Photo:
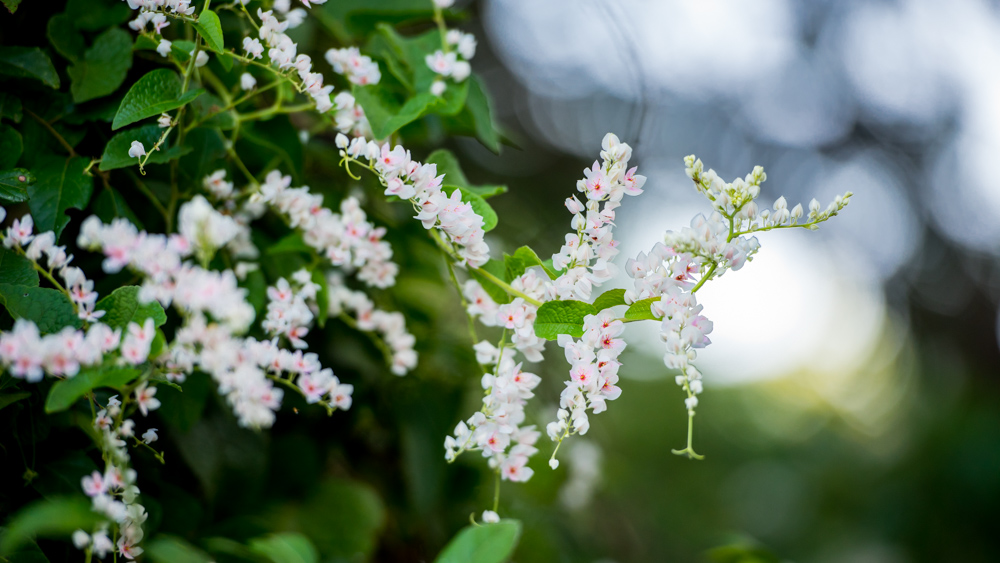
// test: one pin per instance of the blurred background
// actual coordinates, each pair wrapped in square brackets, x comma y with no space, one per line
[851,411]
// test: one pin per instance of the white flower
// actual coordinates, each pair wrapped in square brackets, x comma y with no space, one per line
[81,539]
[444,3]
[163,121]
[253,47]
[247,81]
[149,436]
[136,150]
[438,87]
[163,48]
[201,60]
[489,517]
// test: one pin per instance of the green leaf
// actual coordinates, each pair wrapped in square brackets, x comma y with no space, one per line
[210,29]
[285,548]
[208,147]
[478,106]
[448,165]
[60,185]
[170,549]
[28,62]
[158,91]
[343,519]
[499,270]
[640,311]
[7,399]
[290,243]
[11,146]
[110,205]
[385,115]
[16,269]
[275,137]
[562,317]
[56,518]
[322,297]
[116,152]
[14,184]
[522,259]
[94,15]
[10,107]
[50,309]
[65,38]
[103,67]
[67,391]
[11,5]
[478,204]
[123,307]
[490,543]
[610,298]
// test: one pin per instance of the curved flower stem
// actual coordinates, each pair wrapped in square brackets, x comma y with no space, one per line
[329,408]
[708,275]
[689,452]
[506,287]
[496,492]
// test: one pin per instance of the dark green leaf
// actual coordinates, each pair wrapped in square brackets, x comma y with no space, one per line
[158,91]
[208,147]
[448,165]
[610,298]
[640,310]
[11,146]
[169,549]
[385,115]
[7,399]
[103,67]
[94,15]
[290,243]
[64,36]
[343,518]
[66,392]
[490,543]
[50,309]
[499,270]
[11,5]
[14,184]
[276,137]
[57,517]
[285,548]
[562,317]
[210,29]
[60,185]
[116,152]
[110,205]
[10,107]
[16,269]
[478,204]
[28,62]
[478,106]
[123,307]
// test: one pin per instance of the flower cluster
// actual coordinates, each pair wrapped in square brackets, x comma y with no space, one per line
[359,69]
[346,239]
[356,308]
[496,429]
[593,375]
[28,355]
[587,254]
[420,184]
[288,314]
[452,61]
[350,117]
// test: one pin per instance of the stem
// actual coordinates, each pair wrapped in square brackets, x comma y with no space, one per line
[504,286]
[496,492]
[232,104]
[152,197]
[708,275]
[689,452]
[45,124]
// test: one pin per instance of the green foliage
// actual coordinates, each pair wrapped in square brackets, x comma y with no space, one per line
[122,307]
[50,309]
[448,165]
[490,543]
[499,270]
[66,392]
[57,517]
[7,399]
[28,62]
[16,269]
[640,310]
[110,205]
[60,184]
[210,30]
[116,152]
[290,243]
[103,67]
[385,114]
[14,184]
[10,107]
[522,259]
[158,91]
[65,38]
[562,317]
[285,548]
[11,146]
[610,298]
[171,549]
